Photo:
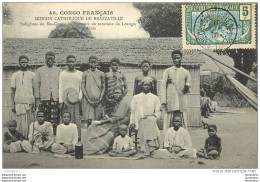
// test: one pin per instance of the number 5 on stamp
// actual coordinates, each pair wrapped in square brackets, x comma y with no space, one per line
[245,12]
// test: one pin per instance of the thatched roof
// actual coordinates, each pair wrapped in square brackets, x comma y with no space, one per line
[129,51]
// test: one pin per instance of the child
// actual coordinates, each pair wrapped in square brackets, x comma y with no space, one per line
[212,147]
[123,145]
[93,88]
[12,138]
[177,140]
[41,133]
[204,104]
[113,79]
[138,88]
[67,136]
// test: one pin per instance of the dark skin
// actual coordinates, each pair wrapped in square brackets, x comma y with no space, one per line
[66,118]
[93,67]
[118,94]
[71,62]
[12,128]
[122,132]
[66,121]
[145,69]
[40,120]
[176,58]
[114,68]
[146,90]
[23,67]
[49,60]
[176,126]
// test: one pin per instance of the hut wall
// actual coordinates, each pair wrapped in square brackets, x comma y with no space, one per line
[130,72]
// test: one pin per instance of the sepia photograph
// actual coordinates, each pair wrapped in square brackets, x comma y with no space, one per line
[130,86]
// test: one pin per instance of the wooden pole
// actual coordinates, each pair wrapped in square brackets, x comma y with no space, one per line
[234,69]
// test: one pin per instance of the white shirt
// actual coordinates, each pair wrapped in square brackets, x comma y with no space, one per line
[23,82]
[120,143]
[172,93]
[179,138]
[67,134]
[69,80]
[142,105]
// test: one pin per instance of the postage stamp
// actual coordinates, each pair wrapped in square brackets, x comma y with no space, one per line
[219,26]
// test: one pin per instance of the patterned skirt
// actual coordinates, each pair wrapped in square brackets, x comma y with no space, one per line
[51,112]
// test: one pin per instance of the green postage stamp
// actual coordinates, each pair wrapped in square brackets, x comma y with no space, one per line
[219,26]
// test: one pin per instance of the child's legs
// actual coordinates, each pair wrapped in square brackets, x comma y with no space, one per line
[131,152]
[190,153]
[48,143]
[122,154]
[58,148]
[26,145]
[112,153]
[201,153]
[6,148]
[213,153]
[15,146]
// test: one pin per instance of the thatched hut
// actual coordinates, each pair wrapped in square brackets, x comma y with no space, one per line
[130,51]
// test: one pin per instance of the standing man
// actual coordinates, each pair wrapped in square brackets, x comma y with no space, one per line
[47,90]
[176,83]
[93,89]
[22,91]
[145,66]
[70,92]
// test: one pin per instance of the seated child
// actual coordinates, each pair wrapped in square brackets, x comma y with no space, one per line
[204,104]
[177,140]
[66,137]
[123,145]
[12,138]
[41,133]
[212,147]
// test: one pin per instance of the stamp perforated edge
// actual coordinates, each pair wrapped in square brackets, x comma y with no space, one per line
[252,45]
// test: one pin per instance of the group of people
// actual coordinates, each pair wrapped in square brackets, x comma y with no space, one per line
[208,104]
[100,98]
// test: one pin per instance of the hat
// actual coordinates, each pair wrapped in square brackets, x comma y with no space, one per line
[70,96]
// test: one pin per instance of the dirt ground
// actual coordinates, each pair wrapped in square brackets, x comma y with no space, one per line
[237,129]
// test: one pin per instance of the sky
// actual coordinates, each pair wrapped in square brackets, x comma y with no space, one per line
[26,12]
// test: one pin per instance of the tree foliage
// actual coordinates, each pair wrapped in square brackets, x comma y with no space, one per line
[243,60]
[160,19]
[71,30]
[7,15]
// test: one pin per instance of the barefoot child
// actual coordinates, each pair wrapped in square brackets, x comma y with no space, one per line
[204,104]
[12,138]
[123,145]
[213,146]
[41,133]
[177,140]
[67,136]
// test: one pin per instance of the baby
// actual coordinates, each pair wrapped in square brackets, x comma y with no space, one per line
[12,138]
[123,145]
[212,147]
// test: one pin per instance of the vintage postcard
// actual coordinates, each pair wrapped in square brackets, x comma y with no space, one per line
[130,85]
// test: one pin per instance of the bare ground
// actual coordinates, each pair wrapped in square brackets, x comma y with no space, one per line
[237,129]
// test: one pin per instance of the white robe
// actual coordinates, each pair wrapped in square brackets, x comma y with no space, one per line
[180,138]
[145,111]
